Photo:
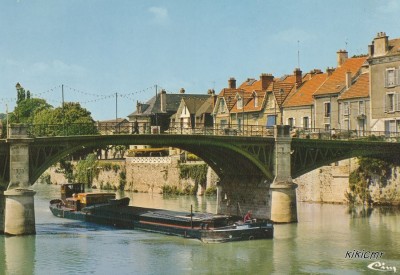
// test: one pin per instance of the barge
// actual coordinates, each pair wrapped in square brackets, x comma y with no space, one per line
[105,209]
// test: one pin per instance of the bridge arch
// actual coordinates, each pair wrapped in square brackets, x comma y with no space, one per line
[226,156]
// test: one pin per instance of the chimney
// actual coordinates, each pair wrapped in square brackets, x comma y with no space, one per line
[380,44]
[163,101]
[138,107]
[299,77]
[371,50]
[266,79]
[342,56]
[182,91]
[348,79]
[232,83]
[329,71]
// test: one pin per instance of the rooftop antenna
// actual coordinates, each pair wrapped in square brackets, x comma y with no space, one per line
[298,54]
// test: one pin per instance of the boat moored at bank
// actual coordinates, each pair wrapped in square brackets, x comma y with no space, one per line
[105,209]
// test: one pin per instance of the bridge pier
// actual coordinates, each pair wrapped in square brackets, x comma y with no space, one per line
[237,194]
[283,189]
[19,210]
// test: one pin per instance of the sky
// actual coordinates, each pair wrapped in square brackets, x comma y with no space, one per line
[108,55]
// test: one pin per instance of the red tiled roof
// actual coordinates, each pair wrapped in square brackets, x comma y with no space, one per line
[303,95]
[359,89]
[336,82]
[281,86]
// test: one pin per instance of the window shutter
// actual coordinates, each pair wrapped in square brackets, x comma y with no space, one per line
[386,103]
[386,78]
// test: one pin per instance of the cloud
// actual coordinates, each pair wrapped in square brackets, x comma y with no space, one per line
[160,15]
[392,6]
[54,68]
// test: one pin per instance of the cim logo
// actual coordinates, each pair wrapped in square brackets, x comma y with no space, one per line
[380,266]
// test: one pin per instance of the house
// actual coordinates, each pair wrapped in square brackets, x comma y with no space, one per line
[354,105]
[158,110]
[277,93]
[194,112]
[298,108]
[247,111]
[326,107]
[224,103]
[384,67]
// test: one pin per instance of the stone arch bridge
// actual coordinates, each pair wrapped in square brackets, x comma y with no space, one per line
[255,172]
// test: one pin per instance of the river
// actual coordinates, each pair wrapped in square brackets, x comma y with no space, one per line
[329,239]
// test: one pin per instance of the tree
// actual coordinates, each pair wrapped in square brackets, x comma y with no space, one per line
[26,110]
[70,120]
[27,107]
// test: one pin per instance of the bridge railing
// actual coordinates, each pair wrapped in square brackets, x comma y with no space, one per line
[108,128]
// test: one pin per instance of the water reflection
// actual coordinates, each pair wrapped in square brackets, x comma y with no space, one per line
[360,211]
[315,245]
[19,255]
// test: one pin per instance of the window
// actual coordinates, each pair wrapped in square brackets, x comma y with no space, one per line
[222,106]
[346,109]
[290,121]
[327,109]
[361,108]
[240,102]
[271,120]
[255,99]
[306,122]
[391,77]
[389,102]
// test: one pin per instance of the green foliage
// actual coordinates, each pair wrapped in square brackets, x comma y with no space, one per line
[196,172]
[86,169]
[171,190]
[26,110]
[105,165]
[122,180]
[211,191]
[115,167]
[107,186]
[45,178]
[192,157]
[70,120]
[68,169]
[121,149]
[361,178]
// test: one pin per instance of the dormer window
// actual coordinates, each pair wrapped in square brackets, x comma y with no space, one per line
[240,102]
[255,97]
[222,106]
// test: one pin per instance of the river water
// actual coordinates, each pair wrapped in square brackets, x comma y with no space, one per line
[329,239]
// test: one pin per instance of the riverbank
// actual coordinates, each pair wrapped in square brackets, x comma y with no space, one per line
[327,184]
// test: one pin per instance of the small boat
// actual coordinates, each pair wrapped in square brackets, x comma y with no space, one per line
[104,208]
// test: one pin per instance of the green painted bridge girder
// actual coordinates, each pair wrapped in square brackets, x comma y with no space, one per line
[227,155]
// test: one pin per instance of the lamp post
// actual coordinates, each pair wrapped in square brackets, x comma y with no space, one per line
[281,92]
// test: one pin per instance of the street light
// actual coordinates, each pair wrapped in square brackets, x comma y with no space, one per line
[281,92]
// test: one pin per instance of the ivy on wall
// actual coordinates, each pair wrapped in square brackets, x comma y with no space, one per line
[361,178]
